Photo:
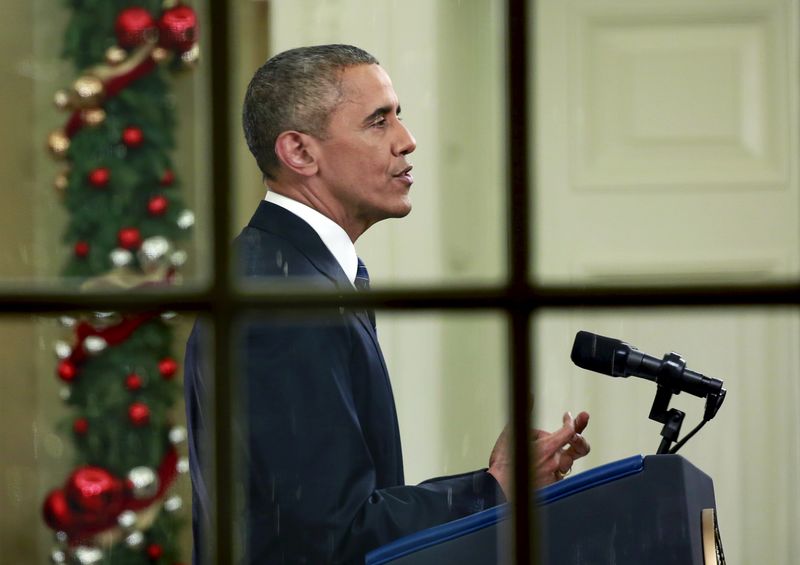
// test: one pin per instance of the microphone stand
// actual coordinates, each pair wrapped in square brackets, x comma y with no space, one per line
[668,380]
[672,419]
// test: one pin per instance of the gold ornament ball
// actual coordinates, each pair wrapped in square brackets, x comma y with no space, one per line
[62,99]
[58,144]
[61,182]
[159,54]
[115,55]
[93,116]
[90,91]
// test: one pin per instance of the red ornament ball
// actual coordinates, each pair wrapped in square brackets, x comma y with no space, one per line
[133,382]
[154,551]
[134,26]
[56,511]
[132,136]
[139,414]
[178,28]
[82,249]
[167,367]
[167,178]
[67,371]
[129,238]
[96,491]
[99,177]
[80,426]
[157,205]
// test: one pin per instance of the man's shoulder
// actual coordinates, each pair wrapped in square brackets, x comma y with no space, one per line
[267,254]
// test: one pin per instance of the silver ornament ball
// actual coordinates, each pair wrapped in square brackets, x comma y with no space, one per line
[169,316]
[121,257]
[145,482]
[154,248]
[178,259]
[102,320]
[185,219]
[183,465]
[67,321]
[191,55]
[134,540]
[173,503]
[177,435]
[58,556]
[87,555]
[63,349]
[127,519]
[94,344]
[64,393]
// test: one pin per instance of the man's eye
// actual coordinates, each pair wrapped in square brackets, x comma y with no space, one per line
[379,123]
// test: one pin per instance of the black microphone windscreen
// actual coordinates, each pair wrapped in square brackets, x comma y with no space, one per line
[595,352]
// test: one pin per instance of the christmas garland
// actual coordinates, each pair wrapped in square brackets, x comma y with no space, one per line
[125,217]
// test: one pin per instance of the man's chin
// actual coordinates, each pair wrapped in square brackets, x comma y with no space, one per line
[404,210]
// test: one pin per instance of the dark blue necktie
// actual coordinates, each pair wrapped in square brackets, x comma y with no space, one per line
[362,276]
[362,284]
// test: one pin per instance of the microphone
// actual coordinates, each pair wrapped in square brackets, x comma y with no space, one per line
[616,358]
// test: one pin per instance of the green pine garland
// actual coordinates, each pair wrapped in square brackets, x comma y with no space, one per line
[98,395]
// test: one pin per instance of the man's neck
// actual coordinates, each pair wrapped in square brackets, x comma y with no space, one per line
[314,199]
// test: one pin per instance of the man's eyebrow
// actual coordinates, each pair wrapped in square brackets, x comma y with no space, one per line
[382,111]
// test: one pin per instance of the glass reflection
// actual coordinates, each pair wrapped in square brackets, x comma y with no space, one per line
[753,351]
[94,439]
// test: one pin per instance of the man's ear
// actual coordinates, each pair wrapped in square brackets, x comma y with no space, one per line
[292,149]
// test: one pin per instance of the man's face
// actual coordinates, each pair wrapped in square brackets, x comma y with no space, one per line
[362,158]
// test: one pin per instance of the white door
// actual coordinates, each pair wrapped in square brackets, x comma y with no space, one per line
[667,153]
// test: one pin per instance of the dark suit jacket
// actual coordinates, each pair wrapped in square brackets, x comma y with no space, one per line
[319,442]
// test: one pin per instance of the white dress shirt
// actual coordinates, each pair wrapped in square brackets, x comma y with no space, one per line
[332,234]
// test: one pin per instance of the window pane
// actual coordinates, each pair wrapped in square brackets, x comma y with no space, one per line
[447,68]
[667,143]
[319,447]
[127,168]
[93,439]
[753,350]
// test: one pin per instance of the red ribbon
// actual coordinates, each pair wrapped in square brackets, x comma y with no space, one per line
[112,335]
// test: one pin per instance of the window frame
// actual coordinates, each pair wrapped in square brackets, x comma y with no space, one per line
[519,299]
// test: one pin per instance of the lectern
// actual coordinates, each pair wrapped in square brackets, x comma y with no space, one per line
[655,510]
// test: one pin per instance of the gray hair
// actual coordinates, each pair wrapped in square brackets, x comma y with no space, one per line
[295,90]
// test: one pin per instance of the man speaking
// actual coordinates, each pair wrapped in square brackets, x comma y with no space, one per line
[320,442]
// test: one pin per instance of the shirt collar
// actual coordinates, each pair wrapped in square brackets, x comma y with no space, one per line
[332,234]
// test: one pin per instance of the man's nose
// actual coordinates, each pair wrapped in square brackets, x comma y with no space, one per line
[405,143]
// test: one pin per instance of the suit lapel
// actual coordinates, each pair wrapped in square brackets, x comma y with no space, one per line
[274,219]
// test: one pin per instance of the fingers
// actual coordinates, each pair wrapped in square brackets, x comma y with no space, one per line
[558,451]
[548,444]
[581,422]
[579,446]
[553,469]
